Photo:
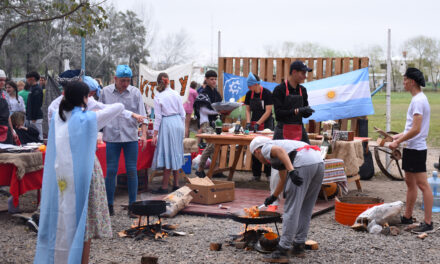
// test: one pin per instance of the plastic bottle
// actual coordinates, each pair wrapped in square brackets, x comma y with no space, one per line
[326,143]
[434,182]
[218,125]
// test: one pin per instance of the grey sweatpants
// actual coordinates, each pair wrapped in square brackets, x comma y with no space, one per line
[209,149]
[299,203]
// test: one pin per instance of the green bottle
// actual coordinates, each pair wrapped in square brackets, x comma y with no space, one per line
[218,125]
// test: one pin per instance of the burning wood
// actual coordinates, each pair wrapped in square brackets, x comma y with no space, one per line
[252,212]
[141,229]
[250,237]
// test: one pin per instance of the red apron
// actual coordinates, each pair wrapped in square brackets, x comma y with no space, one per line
[292,131]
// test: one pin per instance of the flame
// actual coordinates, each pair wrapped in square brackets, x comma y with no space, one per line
[256,228]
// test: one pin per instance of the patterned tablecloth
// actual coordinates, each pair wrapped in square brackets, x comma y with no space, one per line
[334,172]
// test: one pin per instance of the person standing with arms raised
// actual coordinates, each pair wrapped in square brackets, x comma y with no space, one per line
[415,150]
[291,104]
[122,133]
[258,102]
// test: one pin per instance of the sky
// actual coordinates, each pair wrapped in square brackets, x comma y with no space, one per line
[247,26]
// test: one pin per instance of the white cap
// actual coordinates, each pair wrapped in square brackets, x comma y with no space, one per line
[2,74]
[258,142]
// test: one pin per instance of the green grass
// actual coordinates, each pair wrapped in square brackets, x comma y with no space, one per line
[399,107]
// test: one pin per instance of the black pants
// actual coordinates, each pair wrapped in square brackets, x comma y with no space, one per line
[256,168]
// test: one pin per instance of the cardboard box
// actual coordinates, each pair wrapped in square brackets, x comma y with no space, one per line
[220,192]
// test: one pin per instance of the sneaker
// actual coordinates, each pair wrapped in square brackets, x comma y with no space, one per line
[36,218]
[200,174]
[280,255]
[272,208]
[160,191]
[424,228]
[298,250]
[406,221]
[32,225]
[110,210]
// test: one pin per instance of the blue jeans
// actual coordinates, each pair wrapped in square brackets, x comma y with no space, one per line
[113,151]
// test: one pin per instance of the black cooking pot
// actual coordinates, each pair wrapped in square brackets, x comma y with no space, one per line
[148,207]
[265,217]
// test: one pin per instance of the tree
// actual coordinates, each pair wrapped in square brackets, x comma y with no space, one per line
[425,54]
[174,50]
[85,17]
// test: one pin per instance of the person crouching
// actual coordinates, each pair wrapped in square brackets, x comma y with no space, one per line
[301,172]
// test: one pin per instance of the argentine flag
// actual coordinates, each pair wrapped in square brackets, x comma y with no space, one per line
[342,96]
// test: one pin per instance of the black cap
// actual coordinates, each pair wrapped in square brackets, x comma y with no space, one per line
[299,66]
[416,75]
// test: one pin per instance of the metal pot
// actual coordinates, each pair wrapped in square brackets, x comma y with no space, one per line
[148,207]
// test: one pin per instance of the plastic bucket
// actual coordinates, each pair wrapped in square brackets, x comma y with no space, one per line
[347,209]
[187,165]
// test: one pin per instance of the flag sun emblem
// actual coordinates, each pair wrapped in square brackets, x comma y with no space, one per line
[331,94]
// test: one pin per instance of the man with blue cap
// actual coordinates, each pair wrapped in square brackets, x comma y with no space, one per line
[258,102]
[122,133]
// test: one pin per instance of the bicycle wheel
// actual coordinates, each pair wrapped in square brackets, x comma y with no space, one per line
[393,169]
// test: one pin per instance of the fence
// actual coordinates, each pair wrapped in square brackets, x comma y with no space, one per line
[277,70]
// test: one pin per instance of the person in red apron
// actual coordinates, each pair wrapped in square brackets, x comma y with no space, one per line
[291,104]
[258,102]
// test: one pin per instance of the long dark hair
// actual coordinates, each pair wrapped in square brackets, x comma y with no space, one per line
[14,85]
[74,93]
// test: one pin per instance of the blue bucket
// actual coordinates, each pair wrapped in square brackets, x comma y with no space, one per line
[187,165]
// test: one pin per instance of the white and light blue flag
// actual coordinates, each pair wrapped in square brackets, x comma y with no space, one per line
[342,96]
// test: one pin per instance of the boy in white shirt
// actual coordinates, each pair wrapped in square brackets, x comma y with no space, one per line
[415,149]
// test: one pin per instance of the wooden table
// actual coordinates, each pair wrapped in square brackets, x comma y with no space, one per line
[227,139]
[351,152]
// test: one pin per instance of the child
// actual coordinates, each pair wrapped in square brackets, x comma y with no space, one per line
[25,134]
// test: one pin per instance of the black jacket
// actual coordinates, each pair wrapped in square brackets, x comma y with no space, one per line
[34,103]
[214,97]
[282,113]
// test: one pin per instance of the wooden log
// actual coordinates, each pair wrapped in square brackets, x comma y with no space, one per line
[240,245]
[311,245]
[215,246]
[394,231]
[149,260]
[359,227]
[422,236]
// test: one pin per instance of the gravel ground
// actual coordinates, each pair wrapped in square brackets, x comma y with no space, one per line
[337,243]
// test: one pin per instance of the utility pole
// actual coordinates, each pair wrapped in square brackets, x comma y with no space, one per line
[83,55]
[219,44]
[388,94]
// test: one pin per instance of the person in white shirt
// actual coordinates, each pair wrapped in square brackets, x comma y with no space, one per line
[414,154]
[169,131]
[301,170]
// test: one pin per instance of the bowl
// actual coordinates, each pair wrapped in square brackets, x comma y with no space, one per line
[226,127]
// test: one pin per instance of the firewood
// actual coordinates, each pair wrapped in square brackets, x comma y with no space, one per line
[411,227]
[422,236]
[215,246]
[359,227]
[149,260]
[240,245]
[312,245]
[394,231]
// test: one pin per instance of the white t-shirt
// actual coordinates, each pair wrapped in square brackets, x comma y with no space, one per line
[304,157]
[419,105]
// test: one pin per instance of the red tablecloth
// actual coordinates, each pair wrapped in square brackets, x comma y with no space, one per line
[34,180]
[145,158]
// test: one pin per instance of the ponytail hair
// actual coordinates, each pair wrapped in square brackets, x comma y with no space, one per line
[160,85]
[74,93]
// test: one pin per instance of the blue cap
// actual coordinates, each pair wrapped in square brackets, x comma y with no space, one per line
[123,71]
[93,84]
[251,80]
